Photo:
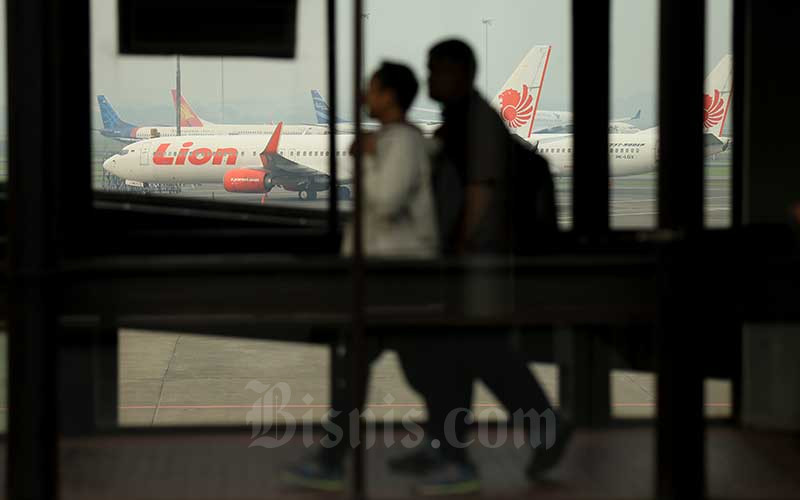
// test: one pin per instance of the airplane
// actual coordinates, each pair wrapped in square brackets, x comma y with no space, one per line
[346,127]
[300,165]
[516,101]
[116,128]
[534,62]
[616,126]
[637,153]
[301,162]
[241,164]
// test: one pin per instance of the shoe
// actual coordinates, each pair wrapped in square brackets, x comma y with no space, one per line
[545,459]
[417,462]
[315,473]
[450,478]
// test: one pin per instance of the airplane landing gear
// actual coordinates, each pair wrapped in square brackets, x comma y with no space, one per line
[307,195]
[343,193]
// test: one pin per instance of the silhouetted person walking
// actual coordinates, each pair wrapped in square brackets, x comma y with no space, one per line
[398,221]
[473,188]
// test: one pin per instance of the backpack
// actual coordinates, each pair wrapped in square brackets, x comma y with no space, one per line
[532,201]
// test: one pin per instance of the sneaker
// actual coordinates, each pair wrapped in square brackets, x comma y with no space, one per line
[417,462]
[545,459]
[450,478]
[315,473]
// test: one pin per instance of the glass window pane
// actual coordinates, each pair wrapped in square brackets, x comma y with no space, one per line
[228,106]
[632,135]
[718,113]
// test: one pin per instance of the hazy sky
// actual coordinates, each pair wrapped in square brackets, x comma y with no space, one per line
[272,90]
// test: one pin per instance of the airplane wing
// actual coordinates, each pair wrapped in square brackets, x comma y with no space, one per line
[272,160]
[285,165]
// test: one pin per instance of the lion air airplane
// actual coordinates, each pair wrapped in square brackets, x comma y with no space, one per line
[516,101]
[191,124]
[300,162]
[632,154]
[241,164]
[532,68]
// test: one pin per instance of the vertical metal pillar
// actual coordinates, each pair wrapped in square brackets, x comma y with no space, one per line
[49,207]
[680,455]
[740,14]
[358,345]
[681,70]
[590,89]
[333,107]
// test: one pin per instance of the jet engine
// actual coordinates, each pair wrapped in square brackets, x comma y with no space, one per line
[243,180]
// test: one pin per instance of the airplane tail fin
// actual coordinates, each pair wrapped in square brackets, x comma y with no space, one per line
[188,117]
[111,120]
[717,99]
[518,99]
[321,108]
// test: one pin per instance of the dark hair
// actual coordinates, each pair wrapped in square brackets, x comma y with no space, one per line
[400,79]
[457,52]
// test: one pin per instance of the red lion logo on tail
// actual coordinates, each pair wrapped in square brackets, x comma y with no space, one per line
[516,110]
[713,109]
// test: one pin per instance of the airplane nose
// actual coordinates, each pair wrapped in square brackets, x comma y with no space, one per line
[110,163]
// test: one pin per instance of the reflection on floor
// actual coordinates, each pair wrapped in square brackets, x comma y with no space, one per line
[599,464]
[172,379]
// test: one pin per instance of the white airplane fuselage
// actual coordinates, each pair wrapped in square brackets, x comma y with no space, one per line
[205,159]
[628,154]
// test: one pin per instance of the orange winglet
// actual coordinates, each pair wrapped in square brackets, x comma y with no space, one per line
[272,145]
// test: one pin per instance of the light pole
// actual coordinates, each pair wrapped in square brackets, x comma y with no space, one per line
[222,87]
[178,97]
[365,17]
[486,23]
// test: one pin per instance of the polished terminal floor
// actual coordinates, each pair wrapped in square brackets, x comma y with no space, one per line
[599,464]
[169,379]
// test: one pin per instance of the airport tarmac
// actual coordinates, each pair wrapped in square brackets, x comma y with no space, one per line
[178,379]
[634,203]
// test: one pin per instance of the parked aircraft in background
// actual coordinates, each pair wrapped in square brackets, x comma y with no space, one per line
[116,128]
[516,101]
[631,154]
